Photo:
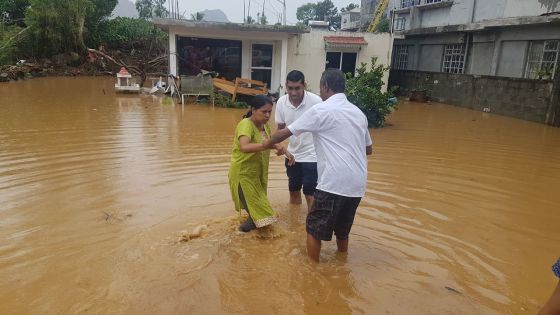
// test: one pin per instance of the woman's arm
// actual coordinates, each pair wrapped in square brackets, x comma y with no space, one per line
[246,146]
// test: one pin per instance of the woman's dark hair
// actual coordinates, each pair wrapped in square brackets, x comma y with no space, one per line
[256,103]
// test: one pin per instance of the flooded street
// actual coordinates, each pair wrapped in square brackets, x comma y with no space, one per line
[460,215]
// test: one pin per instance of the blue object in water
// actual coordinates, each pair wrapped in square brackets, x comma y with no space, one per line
[393,100]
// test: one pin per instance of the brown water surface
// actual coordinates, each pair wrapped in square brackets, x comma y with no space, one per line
[460,216]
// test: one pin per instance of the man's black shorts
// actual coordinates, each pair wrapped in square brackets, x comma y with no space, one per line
[331,213]
[302,174]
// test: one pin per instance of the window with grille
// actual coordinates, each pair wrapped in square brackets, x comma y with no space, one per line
[400,59]
[433,1]
[454,58]
[542,59]
[400,24]
[407,3]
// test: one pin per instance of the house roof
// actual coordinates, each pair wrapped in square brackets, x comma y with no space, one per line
[345,40]
[291,29]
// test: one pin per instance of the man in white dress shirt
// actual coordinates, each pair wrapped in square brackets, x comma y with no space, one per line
[342,142]
[301,168]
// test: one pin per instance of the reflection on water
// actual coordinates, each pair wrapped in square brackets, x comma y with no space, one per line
[460,214]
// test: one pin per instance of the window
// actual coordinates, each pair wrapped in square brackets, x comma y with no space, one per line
[433,1]
[342,61]
[400,57]
[542,59]
[400,24]
[219,55]
[407,3]
[261,63]
[454,58]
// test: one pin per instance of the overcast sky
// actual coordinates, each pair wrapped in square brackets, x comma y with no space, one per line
[234,8]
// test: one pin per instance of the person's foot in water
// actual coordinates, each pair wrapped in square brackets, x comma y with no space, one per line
[247,226]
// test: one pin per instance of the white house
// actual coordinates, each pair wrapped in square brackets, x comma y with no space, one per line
[267,52]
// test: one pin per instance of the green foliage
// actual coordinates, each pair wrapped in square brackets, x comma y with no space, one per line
[349,7]
[249,20]
[100,12]
[384,26]
[148,9]
[198,16]
[320,11]
[57,26]
[159,9]
[10,51]
[364,90]
[13,11]
[225,101]
[306,13]
[125,30]
[263,20]
[145,9]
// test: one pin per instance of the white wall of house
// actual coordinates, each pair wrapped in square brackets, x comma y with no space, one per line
[307,53]
[247,39]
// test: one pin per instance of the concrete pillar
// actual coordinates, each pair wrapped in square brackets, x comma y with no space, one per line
[246,55]
[496,57]
[173,53]
[283,66]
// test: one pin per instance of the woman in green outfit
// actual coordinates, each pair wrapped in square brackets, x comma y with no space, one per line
[248,173]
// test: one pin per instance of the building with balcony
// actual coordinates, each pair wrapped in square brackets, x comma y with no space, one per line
[351,20]
[509,38]
[496,55]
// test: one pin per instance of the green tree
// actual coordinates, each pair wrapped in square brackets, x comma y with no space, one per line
[263,20]
[145,9]
[320,11]
[306,13]
[198,16]
[326,11]
[57,25]
[364,90]
[13,11]
[384,25]
[349,7]
[159,9]
[101,10]
[250,20]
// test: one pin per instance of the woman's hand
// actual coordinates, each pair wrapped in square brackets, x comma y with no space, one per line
[279,150]
[291,158]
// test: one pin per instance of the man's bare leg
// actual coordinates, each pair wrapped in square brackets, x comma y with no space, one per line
[313,247]
[309,200]
[295,197]
[342,245]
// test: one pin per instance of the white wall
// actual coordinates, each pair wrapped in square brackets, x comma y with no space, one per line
[247,39]
[307,53]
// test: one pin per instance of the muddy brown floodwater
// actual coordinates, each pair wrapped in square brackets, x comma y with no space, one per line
[461,213]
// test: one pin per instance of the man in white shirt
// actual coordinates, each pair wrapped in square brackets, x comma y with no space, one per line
[342,142]
[302,168]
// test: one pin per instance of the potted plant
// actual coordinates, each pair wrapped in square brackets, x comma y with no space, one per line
[545,72]
[419,94]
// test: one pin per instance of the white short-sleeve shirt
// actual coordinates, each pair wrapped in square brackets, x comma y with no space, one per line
[300,146]
[340,135]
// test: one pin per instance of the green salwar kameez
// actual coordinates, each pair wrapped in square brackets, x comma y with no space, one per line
[249,172]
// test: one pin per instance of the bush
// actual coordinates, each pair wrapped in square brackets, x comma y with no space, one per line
[225,101]
[364,90]
[9,40]
[123,30]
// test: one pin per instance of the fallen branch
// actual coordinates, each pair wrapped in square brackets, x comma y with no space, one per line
[13,37]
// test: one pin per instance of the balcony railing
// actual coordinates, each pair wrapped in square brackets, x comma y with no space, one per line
[404,4]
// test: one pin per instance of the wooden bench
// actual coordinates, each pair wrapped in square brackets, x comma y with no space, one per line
[241,86]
